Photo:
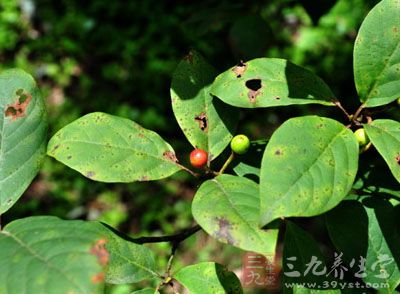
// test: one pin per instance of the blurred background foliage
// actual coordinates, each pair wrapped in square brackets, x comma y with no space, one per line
[118,57]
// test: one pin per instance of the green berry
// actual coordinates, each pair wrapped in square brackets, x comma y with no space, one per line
[240,144]
[362,137]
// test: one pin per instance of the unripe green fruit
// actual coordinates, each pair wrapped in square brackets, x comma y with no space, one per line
[198,158]
[398,101]
[240,144]
[362,137]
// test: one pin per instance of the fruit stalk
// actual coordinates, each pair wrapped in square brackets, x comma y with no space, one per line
[226,164]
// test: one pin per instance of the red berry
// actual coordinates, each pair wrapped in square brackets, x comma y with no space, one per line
[198,158]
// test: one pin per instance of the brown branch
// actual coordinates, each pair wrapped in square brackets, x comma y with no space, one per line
[196,175]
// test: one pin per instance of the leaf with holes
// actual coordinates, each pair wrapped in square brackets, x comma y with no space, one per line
[60,256]
[385,136]
[308,167]
[108,148]
[372,224]
[205,121]
[23,132]
[377,55]
[266,82]
[228,208]
[208,277]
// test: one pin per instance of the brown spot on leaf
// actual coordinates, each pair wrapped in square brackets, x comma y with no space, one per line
[278,98]
[202,121]
[254,87]
[55,148]
[98,278]
[90,174]
[69,157]
[18,109]
[240,69]
[170,156]
[144,178]
[100,251]
[398,159]
[224,228]
[278,152]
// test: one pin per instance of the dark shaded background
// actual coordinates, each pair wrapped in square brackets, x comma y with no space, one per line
[118,57]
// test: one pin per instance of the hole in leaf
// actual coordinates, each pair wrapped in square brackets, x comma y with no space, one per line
[202,120]
[10,111]
[240,69]
[254,84]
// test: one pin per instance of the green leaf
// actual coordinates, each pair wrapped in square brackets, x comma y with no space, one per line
[60,256]
[299,250]
[205,121]
[377,55]
[23,132]
[129,262]
[266,82]
[348,222]
[385,136]
[48,255]
[109,148]
[308,167]
[227,208]
[374,227]
[208,278]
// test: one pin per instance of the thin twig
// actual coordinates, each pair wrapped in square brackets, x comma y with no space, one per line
[196,175]
[169,264]
[339,105]
[176,238]
[357,113]
[171,258]
[167,278]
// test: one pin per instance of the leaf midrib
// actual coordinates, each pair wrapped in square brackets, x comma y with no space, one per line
[135,151]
